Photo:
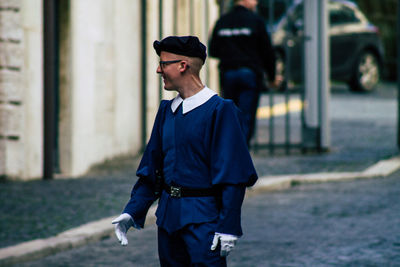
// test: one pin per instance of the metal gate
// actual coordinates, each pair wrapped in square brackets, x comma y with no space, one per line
[281,124]
[280,116]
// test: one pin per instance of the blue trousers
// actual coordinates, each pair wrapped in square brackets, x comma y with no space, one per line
[190,246]
[243,87]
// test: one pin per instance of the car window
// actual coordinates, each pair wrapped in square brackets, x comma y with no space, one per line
[341,14]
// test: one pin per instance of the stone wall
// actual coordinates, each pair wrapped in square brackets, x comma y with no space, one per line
[11,80]
[21,86]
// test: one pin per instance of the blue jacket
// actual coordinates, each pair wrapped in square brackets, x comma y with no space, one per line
[202,148]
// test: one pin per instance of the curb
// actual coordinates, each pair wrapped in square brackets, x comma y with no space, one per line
[267,183]
[101,229]
[73,238]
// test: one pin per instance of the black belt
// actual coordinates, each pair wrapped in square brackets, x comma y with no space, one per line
[177,191]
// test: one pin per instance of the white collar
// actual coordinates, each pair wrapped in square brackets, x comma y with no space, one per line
[194,101]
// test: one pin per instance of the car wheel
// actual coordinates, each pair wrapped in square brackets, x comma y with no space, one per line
[366,74]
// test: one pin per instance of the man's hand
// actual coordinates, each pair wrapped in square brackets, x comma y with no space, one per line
[276,83]
[228,242]
[122,223]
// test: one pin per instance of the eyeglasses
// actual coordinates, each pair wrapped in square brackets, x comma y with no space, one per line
[163,64]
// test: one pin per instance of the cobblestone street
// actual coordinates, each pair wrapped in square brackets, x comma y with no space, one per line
[334,224]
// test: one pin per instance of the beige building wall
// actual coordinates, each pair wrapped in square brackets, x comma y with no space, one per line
[152,84]
[104,117]
[100,78]
[21,84]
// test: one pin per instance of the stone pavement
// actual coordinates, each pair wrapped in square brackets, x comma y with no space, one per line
[31,226]
[101,229]
[351,223]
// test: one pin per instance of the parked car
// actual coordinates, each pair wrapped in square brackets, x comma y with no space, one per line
[356,50]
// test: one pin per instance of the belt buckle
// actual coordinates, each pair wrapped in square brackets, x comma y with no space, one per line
[175,191]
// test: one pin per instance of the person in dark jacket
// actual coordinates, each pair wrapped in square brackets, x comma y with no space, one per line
[196,163]
[241,43]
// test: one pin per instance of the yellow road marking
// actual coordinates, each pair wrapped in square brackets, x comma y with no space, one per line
[294,105]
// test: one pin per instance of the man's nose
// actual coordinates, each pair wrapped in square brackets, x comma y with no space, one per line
[159,70]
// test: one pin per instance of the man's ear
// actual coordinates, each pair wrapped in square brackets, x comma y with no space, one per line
[183,66]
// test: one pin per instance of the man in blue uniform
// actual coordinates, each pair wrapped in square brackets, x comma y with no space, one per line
[241,43]
[196,162]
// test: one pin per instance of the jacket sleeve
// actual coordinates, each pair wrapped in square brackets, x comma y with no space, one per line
[152,156]
[143,193]
[230,160]
[213,45]
[142,197]
[232,168]
[229,221]
[267,51]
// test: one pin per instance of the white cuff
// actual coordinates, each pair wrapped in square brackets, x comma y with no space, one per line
[227,236]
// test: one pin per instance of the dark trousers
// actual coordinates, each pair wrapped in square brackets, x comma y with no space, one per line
[243,87]
[190,246]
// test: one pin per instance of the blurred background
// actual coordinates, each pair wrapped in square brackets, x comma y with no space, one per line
[78,84]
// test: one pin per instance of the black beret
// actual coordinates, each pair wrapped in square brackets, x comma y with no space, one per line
[182,45]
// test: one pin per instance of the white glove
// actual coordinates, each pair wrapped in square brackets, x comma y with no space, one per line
[228,242]
[122,223]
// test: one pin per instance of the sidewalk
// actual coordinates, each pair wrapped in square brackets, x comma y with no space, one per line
[82,209]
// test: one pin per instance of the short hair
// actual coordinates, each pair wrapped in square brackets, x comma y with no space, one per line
[195,64]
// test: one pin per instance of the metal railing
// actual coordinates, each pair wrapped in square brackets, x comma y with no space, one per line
[281,130]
